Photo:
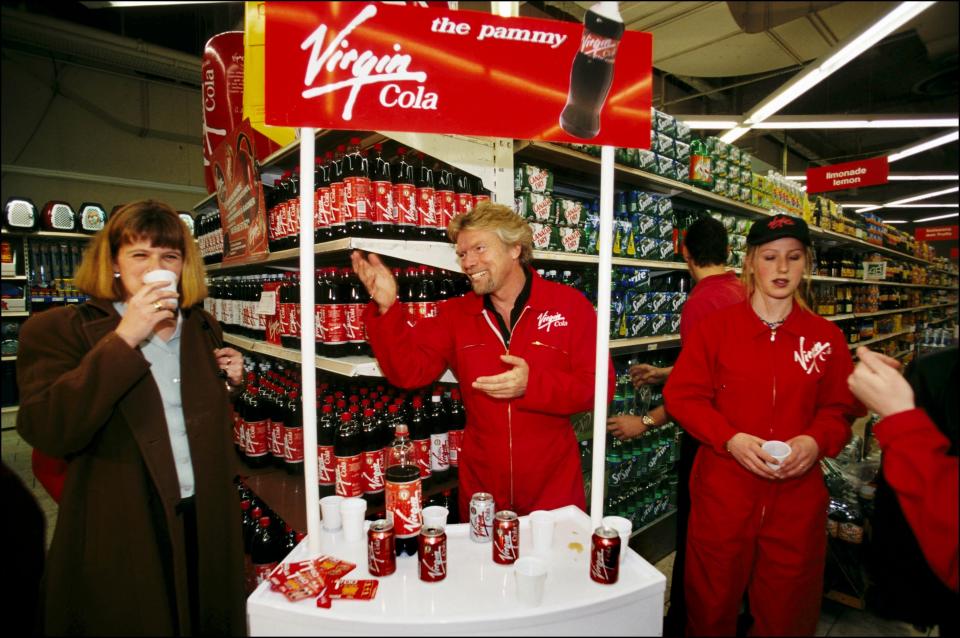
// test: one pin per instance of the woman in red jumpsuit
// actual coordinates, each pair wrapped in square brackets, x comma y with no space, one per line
[765,369]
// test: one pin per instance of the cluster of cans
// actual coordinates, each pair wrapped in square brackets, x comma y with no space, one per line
[643,226]
[737,230]
[641,484]
[637,310]
[558,223]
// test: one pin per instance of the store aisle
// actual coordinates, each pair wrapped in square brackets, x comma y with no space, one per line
[16,455]
[835,619]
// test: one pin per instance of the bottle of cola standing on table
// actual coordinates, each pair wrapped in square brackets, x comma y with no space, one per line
[404,196]
[381,195]
[592,72]
[404,492]
[356,191]
[326,437]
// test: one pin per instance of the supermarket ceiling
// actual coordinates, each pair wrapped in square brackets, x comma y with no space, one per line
[710,59]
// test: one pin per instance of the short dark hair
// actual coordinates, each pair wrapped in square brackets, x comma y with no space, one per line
[706,241]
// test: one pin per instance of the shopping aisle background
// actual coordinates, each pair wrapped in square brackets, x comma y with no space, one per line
[836,619]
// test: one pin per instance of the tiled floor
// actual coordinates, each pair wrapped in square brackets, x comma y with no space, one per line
[835,620]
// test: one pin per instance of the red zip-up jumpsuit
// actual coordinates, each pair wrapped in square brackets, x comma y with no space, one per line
[734,375]
[522,450]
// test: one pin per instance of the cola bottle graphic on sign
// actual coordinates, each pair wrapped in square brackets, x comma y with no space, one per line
[592,72]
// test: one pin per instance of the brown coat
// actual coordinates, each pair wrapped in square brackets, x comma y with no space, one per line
[117,563]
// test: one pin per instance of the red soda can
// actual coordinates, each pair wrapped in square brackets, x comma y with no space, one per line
[433,554]
[381,547]
[481,517]
[605,556]
[506,537]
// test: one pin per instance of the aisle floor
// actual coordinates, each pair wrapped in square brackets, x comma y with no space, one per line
[835,620]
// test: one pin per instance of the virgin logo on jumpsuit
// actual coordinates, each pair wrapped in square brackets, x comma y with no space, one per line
[808,359]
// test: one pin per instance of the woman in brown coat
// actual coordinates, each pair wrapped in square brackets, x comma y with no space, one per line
[129,390]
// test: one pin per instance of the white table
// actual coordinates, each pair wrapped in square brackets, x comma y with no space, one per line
[478,596]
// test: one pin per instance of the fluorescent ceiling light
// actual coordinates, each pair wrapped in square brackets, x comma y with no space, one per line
[856,124]
[926,145]
[869,208]
[709,124]
[933,219]
[894,221]
[856,205]
[923,206]
[124,5]
[823,68]
[916,198]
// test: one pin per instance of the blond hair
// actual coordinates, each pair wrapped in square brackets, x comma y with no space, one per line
[802,295]
[146,220]
[512,229]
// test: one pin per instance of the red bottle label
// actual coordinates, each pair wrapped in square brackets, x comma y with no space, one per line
[404,506]
[322,203]
[293,445]
[446,205]
[336,203]
[480,198]
[423,457]
[384,212]
[426,309]
[455,441]
[352,324]
[439,452]
[284,313]
[326,465]
[237,430]
[464,203]
[333,317]
[263,571]
[276,438]
[371,472]
[357,196]
[318,330]
[405,199]
[348,476]
[598,47]
[426,210]
[256,434]
[294,320]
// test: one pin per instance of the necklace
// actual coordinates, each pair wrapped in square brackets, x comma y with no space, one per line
[773,325]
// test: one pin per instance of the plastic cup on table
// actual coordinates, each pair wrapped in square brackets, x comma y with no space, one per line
[167,276]
[531,574]
[352,511]
[778,450]
[435,516]
[330,512]
[542,524]
[624,528]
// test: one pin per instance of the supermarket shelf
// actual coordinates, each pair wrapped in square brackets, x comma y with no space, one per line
[903,353]
[662,517]
[641,344]
[10,409]
[48,234]
[941,320]
[861,315]
[430,253]
[854,346]
[14,278]
[549,255]
[9,357]
[355,366]
[850,280]
[15,313]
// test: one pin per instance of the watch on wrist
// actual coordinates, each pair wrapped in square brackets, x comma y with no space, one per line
[648,420]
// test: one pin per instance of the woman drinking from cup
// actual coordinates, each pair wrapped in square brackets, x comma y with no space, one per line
[129,389]
[766,369]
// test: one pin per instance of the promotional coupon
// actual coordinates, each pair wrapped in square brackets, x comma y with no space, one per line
[374,66]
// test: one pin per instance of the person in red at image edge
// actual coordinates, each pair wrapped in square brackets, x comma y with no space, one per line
[916,462]
[765,369]
[522,349]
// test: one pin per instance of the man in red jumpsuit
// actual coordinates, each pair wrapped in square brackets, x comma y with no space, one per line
[522,349]
[764,369]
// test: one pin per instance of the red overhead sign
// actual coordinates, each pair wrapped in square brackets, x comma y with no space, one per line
[838,177]
[936,233]
[374,66]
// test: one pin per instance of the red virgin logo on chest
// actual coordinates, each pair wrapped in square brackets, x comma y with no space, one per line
[547,320]
[809,360]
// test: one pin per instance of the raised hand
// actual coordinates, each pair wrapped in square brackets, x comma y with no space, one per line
[145,310]
[376,278]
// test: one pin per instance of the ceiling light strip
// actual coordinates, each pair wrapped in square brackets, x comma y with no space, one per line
[925,145]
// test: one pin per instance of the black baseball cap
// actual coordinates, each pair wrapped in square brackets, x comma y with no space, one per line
[778,227]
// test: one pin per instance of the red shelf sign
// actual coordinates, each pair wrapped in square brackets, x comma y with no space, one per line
[838,177]
[374,66]
[936,233]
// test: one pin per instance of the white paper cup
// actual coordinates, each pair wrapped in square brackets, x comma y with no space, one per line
[167,276]
[531,574]
[542,523]
[435,516]
[351,512]
[624,528]
[778,450]
[330,511]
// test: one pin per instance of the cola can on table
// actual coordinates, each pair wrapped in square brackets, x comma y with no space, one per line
[433,554]
[506,537]
[481,517]
[605,556]
[381,545]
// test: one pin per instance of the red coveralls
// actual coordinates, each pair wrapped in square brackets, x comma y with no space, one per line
[523,450]
[925,478]
[736,375]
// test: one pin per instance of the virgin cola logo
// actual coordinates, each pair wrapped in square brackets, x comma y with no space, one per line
[364,68]
[779,222]
[597,47]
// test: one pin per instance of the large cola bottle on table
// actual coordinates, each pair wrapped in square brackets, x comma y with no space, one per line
[404,492]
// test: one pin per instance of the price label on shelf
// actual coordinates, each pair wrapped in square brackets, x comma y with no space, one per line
[268,303]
